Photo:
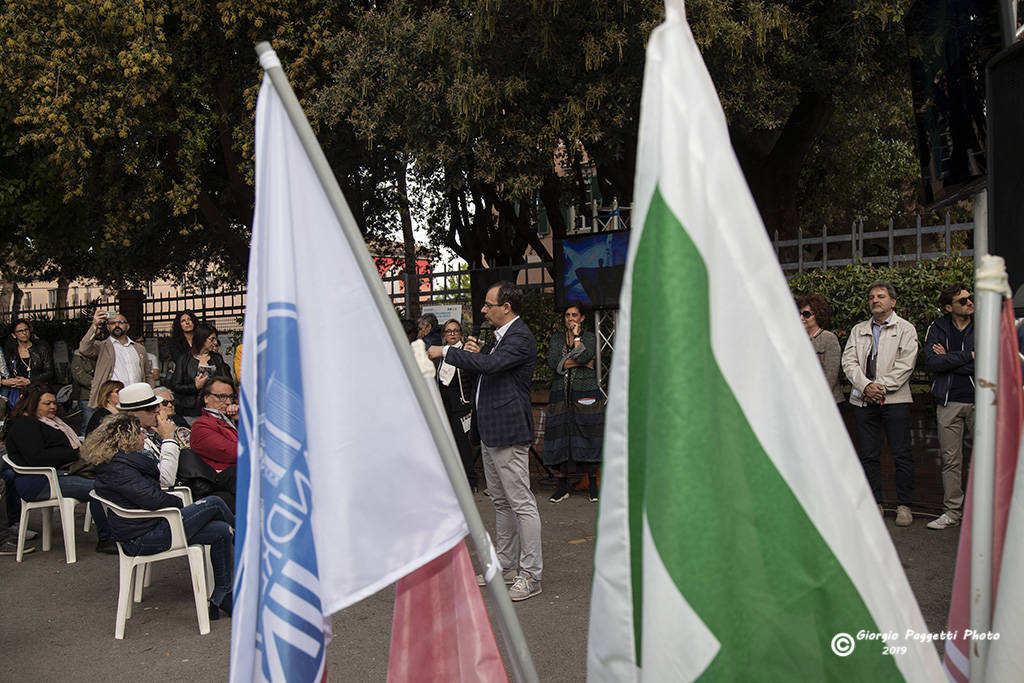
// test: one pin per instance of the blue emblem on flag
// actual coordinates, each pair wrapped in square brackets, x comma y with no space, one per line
[290,624]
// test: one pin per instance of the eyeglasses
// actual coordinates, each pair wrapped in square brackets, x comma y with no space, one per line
[226,397]
[806,314]
[488,304]
[964,300]
[453,331]
[116,323]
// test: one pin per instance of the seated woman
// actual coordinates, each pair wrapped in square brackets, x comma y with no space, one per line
[36,437]
[127,475]
[194,369]
[106,404]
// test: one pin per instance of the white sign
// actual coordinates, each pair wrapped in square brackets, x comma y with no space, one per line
[444,312]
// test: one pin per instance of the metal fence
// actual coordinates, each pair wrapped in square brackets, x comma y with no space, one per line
[889,246]
[224,310]
[453,286]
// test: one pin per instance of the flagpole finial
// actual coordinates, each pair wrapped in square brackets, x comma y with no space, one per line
[675,8]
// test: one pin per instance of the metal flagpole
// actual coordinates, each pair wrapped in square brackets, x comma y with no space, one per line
[518,653]
[989,286]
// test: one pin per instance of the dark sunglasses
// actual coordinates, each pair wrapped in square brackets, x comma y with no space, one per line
[806,314]
[226,397]
[964,299]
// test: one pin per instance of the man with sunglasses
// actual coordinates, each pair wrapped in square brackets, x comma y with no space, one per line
[878,360]
[117,356]
[949,356]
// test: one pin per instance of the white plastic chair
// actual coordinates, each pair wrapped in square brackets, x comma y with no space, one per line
[185,493]
[130,566]
[66,506]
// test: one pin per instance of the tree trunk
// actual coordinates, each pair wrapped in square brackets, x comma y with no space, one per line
[772,163]
[412,289]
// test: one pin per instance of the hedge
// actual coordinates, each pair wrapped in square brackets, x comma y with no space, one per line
[917,291]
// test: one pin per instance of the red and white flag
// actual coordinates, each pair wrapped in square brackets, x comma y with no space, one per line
[440,630]
[1009,418]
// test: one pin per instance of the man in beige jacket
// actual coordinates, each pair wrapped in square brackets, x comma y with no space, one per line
[117,356]
[878,360]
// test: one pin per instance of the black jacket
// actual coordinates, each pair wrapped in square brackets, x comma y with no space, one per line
[34,444]
[183,382]
[452,396]
[132,480]
[955,364]
[40,362]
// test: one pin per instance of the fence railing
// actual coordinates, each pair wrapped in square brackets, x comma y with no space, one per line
[453,286]
[221,309]
[886,246]
[224,310]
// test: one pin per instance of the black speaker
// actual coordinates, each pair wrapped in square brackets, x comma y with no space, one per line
[949,43]
[1005,94]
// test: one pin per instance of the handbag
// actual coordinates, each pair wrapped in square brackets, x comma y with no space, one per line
[196,474]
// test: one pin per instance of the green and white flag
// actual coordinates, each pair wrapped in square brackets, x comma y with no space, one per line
[737,536]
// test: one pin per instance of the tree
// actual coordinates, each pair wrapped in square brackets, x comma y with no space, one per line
[501,103]
[130,125]
[126,127]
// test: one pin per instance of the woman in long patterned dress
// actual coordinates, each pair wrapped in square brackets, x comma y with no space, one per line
[575,422]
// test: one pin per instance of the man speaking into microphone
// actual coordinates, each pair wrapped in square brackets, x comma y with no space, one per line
[505,423]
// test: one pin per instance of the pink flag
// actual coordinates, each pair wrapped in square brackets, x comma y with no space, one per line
[440,630]
[1009,417]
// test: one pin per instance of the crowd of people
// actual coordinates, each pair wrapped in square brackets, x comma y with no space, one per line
[878,361]
[137,439]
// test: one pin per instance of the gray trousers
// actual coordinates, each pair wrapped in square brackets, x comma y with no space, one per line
[953,419]
[507,470]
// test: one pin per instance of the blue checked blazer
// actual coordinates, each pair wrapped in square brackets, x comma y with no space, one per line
[503,413]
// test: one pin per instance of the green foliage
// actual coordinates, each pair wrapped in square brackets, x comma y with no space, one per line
[540,315]
[917,291]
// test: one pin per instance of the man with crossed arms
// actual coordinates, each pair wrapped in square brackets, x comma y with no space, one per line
[505,422]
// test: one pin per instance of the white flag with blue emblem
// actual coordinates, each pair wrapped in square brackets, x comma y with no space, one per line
[341,490]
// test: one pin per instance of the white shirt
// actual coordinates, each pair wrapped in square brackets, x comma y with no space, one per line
[127,365]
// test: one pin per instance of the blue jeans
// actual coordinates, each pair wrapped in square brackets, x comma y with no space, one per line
[83,405]
[74,486]
[208,521]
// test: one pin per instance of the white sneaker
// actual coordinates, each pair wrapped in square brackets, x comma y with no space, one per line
[523,588]
[942,521]
[509,575]
[903,516]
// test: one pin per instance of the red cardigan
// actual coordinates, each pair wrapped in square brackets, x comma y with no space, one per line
[215,441]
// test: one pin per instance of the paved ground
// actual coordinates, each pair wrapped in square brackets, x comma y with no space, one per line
[58,620]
